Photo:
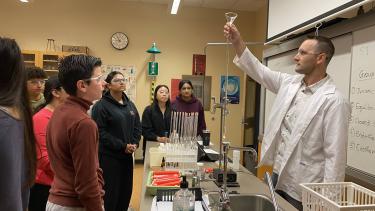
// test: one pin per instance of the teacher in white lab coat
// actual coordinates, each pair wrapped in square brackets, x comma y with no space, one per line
[306,138]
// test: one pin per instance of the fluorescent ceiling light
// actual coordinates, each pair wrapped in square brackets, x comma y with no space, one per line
[25,1]
[175,5]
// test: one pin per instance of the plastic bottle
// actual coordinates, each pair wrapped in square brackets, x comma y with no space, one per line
[236,160]
[200,171]
[184,200]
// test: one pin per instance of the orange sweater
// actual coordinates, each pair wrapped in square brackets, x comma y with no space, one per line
[72,144]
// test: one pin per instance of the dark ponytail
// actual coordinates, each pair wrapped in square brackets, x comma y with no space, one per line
[52,84]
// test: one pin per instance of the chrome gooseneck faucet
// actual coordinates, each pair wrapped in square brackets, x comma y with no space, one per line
[224,196]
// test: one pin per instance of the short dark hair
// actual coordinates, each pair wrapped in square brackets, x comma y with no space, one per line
[182,82]
[35,72]
[324,45]
[74,68]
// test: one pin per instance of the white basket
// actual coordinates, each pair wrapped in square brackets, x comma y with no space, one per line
[336,197]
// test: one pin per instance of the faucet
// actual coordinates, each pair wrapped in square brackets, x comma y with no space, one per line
[224,196]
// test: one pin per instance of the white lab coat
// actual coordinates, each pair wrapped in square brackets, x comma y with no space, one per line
[316,151]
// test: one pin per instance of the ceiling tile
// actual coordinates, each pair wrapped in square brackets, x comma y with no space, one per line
[245,5]
[219,4]
[249,5]
[156,1]
[192,3]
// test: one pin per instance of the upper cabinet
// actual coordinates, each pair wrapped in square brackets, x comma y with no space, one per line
[31,58]
[50,61]
[47,60]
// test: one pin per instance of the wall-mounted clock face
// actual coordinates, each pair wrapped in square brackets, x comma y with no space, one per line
[119,40]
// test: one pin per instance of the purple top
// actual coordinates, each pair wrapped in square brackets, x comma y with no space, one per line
[194,105]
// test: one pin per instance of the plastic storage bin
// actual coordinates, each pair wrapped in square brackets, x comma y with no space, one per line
[156,156]
[336,197]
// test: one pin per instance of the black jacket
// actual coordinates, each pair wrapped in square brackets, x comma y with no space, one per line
[118,125]
[154,123]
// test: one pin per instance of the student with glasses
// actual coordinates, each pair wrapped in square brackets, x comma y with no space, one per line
[17,141]
[72,139]
[119,134]
[307,134]
[36,78]
[54,95]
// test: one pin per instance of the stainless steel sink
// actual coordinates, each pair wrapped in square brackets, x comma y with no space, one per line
[244,202]
[251,202]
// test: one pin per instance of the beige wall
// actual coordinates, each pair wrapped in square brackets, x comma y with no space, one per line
[261,30]
[92,22]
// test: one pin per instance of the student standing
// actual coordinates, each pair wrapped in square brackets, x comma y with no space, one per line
[54,95]
[120,131]
[36,79]
[72,139]
[187,102]
[17,141]
[156,117]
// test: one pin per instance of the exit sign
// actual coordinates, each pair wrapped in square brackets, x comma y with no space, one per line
[153,69]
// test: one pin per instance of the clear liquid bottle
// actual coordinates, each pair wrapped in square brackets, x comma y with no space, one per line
[184,199]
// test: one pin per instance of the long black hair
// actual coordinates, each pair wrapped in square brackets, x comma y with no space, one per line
[13,93]
[52,84]
[109,78]
[155,101]
[184,81]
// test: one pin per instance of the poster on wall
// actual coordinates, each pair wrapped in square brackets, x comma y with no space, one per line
[129,73]
[233,89]
[174,89]
[199,64]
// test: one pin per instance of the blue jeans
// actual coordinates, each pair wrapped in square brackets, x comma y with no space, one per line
[297,204]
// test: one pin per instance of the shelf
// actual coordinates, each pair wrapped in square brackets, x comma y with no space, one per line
[48,60]
[56,61]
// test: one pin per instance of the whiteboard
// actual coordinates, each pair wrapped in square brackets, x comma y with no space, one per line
[361,148]
[338,69]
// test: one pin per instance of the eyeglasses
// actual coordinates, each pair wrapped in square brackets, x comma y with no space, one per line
[304,53]
[97,78]
[38,81]
[118,80]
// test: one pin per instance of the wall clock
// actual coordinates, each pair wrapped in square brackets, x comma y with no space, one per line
[119,40]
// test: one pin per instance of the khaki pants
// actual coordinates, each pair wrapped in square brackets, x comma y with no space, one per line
[55,207]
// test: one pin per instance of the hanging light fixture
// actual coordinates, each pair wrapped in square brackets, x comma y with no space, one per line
[153,49]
